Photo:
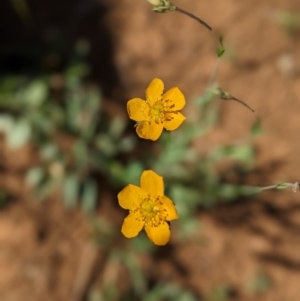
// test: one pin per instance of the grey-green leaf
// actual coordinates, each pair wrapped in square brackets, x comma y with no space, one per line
[34,176]
[18,135]
[89,195]
[71,190]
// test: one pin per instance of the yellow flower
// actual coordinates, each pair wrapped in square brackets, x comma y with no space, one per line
[148,208]
[158,111]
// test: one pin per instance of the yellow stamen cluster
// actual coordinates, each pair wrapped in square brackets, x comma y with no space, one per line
[161,111]
[150,211]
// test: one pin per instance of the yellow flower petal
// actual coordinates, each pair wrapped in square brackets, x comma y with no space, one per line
[175,97]
[152,183]
[149,130]
[169,206]
[154,91]
[173,124]
[131,226]
[131,196]
[137,109]
[159,235]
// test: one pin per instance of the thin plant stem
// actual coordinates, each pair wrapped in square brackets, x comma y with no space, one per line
[214,74]
[294,186]
[253,190]
[193,17]
[268,187]
[243,103]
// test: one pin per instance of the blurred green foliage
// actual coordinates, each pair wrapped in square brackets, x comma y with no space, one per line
[290,21]
[77,143]
[259,284]
[75,140]
[61,115]
[22,9]
[191,178]
[219,293]
[4,197]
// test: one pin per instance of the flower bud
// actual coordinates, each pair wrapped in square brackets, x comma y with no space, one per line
[155,2]
[162,6]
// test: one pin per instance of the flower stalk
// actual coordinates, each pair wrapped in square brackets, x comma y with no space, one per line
[255,190]
[227,96]
[295,186]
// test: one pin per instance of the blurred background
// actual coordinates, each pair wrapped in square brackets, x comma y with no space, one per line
[67,147]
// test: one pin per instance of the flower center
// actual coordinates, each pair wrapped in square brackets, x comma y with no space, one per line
[157,111]
[150,211]
[162,111]
[148,208]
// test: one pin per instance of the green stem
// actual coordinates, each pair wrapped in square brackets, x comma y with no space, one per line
[214,74]
[294,186]
[268,187]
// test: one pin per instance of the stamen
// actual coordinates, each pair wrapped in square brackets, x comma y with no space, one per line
[150,211]
[162,111]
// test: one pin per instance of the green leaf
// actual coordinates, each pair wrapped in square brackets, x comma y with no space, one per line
[117,127]
[138,279]
[127,144]
[187,227]
[185,199]
[55,114]
[89,195]
[77,71]
[219,293]
[19,135]
[93,99]
[49,151]
[243,153]
[283,185]
[104,231]
[259,284]
[256,128]
[169,291]
[74,110]
[71,190]
[132,172]
[4,197]
[106,145]
[6,123]
[41,123]
[35,176]
[204,100]
[172,155]
[95,295]
[82,47]
[81,154]
[289,20]
[45,188]
[228,191]
[36,93]
[142,244]
[221,49]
